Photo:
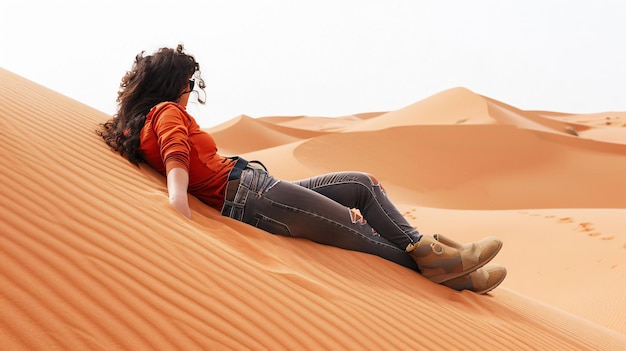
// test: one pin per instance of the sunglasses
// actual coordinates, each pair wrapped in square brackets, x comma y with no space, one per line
[192,83]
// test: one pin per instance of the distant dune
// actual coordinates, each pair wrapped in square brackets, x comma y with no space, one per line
[94,258]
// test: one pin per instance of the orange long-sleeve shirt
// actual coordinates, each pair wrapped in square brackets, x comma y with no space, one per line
[171,138]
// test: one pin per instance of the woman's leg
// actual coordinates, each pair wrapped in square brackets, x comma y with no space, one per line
[288,209]
[363,192]
[440,259]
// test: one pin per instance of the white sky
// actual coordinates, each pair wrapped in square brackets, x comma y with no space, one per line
[330,57]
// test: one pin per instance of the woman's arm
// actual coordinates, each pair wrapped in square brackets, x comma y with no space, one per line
[172,135]
[177,183]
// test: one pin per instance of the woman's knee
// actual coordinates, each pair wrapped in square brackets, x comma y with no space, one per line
[365,178]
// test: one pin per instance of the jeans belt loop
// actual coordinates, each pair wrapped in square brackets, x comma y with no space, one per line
[231,190]
[234,177]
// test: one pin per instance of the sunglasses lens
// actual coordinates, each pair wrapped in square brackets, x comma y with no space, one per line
[192,83]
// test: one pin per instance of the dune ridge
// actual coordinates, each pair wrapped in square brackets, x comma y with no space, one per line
[94,258]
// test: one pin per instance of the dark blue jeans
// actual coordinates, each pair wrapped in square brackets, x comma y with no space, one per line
[319,209]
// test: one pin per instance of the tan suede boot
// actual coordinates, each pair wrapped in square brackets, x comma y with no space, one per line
[480,281]
[441,259]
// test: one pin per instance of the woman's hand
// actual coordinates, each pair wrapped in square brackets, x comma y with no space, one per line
[177,183]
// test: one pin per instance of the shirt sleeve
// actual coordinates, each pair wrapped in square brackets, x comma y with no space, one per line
[173,138]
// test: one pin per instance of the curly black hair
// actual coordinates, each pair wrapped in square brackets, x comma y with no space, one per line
[152,79]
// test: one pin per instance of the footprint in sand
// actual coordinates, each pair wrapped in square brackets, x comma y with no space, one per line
[409,214]
[585,227]
[613,121]
[588,227]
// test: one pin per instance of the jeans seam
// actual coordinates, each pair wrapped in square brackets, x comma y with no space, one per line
[270,219]
[375,199]
[335,223]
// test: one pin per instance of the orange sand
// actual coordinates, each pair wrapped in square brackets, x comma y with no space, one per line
[94,258]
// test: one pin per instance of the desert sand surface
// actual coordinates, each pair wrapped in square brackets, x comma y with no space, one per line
[94,258]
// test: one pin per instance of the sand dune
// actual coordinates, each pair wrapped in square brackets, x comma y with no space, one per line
[94,258]
[257,134]
[481,166]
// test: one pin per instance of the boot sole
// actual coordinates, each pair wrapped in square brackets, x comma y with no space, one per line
[446,277]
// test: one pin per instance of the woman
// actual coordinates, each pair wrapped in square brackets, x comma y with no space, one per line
[153,126]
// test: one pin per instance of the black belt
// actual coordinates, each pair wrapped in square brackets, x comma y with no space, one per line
[235,176]
[240,165]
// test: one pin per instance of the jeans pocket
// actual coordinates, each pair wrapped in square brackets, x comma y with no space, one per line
[272,226]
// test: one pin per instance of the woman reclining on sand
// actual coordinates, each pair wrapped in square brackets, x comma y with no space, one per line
[153,126]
